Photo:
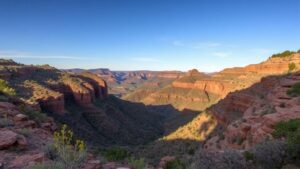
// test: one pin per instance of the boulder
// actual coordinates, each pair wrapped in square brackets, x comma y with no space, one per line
[20,117]
[7,138]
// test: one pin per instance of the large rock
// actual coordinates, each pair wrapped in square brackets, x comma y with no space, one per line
[7,138]
[26,159]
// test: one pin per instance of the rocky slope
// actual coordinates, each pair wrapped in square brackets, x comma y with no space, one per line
[81,101]
[198,91]
[248,117]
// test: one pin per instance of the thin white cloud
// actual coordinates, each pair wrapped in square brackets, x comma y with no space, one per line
[178,43]
[198,45]
[22,55]
[145,59]
[222,54]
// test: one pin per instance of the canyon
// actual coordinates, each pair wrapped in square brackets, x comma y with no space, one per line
[161,116]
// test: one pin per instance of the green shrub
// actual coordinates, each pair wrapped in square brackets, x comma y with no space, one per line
[6,89]
[286,53]
[25,131]
[47,166]
[116,154]
[295,90]
[175,164]
[4,122]
[137,163]
[268,155]
[71,153]
[291,131]
[248,155]
[37,116]
[50,152]
[66,152]
[292,67]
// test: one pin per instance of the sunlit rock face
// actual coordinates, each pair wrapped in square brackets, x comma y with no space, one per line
[248,116]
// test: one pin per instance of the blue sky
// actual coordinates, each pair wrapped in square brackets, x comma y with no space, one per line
[147,34]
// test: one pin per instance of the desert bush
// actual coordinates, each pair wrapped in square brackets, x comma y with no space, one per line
[269,155]
[25,131]
[294,91]
[137,163]
[292,67]
[286,53]
[248,155]
[47,166]
[71,152]
[116,154]
[37,116]
[226,160]
[175,164]
[6,89]
[291,131]
[4,122]
[50,152]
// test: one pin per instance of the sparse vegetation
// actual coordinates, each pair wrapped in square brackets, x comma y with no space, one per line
[269,155]
[286,53]
[294,91]
[137,163]
[116,154]
[6,89]
[291,131]
[292,67]
[248,155]
[37,116]
[25,131]
[50,151]
[226,160]
[66,151]
[4,122]
[47,166]
[175,164]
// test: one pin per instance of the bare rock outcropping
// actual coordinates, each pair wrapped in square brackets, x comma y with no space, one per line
[248,116]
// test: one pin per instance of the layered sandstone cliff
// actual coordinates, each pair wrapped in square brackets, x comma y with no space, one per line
[51,88]
[217,85]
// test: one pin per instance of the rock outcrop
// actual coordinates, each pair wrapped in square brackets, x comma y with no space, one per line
[248,116]
[217,85]
[48,88]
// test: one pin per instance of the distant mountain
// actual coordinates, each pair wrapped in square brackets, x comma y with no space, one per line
[197,91]
[123,82]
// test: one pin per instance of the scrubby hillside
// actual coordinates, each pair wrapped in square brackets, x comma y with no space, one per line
[257,127]
[249,116]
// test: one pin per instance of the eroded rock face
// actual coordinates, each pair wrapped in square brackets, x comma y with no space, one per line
[248,117]
[53,104]
[99,85]
[47,88]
